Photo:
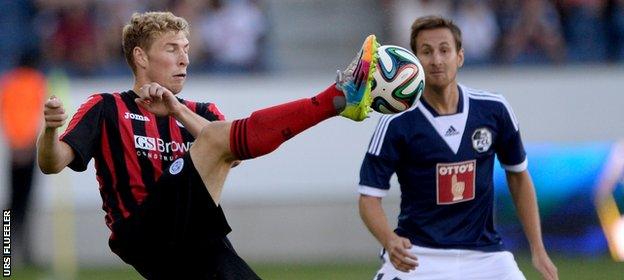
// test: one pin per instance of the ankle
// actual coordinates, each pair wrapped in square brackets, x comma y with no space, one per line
[334,96]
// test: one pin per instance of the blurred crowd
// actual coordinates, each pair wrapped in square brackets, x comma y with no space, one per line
[83,36]
[524,31]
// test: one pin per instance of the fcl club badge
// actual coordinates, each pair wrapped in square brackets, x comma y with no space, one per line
[481,140]
[455,182]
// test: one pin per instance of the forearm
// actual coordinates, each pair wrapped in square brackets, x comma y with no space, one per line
[52,154]
[193,122]
[523,194]
[374,217]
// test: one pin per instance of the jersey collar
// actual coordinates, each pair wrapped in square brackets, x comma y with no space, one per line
[450,127]
[434,113]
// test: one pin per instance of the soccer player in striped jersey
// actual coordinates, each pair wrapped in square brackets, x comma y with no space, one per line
[161,161]
[443,151]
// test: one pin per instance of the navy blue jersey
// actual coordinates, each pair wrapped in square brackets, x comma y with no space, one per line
[445,165]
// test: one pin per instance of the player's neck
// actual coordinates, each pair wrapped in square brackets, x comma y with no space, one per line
[136,88]
[139,82]
[443,100]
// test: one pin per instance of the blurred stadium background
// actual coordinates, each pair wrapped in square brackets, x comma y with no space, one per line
[294,212]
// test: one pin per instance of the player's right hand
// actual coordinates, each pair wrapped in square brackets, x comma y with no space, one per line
[158,100]
[54,113]
[400,256]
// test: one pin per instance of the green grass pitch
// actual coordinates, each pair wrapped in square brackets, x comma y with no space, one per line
[569,268]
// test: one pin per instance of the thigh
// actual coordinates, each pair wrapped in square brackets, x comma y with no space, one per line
[180,207]
[491,265]
[178,219]
[233,267]
[449,264]
[218,263]
[212,156]
[178,266]
[433,264]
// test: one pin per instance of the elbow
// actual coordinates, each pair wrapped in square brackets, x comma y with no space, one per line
[367,202]
[49,169]
[367,199]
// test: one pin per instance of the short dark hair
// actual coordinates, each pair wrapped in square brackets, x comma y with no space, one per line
[434,22]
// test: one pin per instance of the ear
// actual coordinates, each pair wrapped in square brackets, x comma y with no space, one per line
[140,57]
[460,57]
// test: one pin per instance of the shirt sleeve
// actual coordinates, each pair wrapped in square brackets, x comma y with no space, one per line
[208,111]
[83,132]
[380,160]
[509,148]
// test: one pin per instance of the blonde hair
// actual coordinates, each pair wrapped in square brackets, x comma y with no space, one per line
[143,28]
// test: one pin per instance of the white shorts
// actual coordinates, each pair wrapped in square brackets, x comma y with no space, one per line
[451,264]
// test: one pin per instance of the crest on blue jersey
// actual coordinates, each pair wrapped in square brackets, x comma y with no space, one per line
[481,139]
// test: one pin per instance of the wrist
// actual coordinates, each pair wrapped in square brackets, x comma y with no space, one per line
[537,249]
[179,111]
[388,238]
[50,130]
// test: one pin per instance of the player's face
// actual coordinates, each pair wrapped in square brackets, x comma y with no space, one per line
[167,61]
[437,52]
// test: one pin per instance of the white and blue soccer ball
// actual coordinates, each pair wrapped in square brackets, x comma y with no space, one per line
[398,81]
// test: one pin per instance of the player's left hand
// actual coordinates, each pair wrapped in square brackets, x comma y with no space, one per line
[545,266]
[158,100]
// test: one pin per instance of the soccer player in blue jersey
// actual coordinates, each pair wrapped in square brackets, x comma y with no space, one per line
[442,151]
[161,161]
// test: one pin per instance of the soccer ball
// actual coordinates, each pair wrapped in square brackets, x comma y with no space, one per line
[398,81]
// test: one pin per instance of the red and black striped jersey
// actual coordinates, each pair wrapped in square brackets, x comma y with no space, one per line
[130,145]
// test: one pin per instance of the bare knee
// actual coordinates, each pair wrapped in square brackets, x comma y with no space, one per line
[214,139]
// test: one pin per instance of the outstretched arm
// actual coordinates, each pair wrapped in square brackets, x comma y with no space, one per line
[374,217]
[53,155]
[523,194]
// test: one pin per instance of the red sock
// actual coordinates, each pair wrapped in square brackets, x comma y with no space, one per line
[266,129]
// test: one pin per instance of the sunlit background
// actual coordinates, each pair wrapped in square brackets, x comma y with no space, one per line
[294,212]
